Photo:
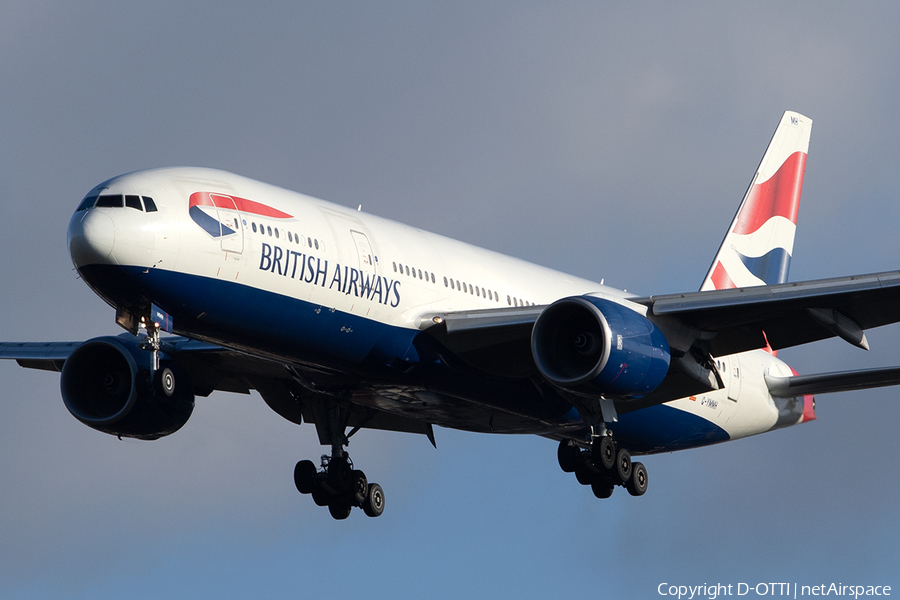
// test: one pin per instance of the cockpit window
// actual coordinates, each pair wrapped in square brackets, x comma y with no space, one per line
[134,202]
[86,203]
[110,201]
[149,203]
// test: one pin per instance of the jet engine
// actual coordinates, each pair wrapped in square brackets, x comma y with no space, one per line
[590,345]
[108,384]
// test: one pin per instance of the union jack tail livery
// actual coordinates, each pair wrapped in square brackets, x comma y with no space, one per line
[758,246]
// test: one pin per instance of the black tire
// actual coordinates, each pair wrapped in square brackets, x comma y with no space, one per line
[584,474]
[305,476]
[359,488]
[602,487]
[623,465]
[339,509]
[567,455]
[321,496]
[603,452]
[637,483]
[374,504]
[165,381]
[340,475]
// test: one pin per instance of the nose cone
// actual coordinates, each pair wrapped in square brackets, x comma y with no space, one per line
[91,237]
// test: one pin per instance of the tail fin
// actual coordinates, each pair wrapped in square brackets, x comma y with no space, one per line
[758,246]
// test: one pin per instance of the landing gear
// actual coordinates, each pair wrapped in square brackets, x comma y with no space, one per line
[603,465]
[336,484]
[339,486]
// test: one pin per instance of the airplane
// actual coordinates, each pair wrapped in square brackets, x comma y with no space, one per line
[348,321]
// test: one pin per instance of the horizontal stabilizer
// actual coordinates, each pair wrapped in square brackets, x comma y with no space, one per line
[824,383]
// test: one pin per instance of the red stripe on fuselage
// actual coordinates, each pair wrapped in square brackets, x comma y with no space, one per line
[242,204]
[777,196]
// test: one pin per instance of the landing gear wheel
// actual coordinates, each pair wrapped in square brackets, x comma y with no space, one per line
[602,487]
[359,488]
[339,509]
[623,465]
[340,475]
[321,496]
[583,474]
[637,484]
[374,504]
[304,476]
[165,379]
[567,455]
[603,451]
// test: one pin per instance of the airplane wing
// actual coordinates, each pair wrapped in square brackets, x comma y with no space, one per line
[787,314]
[715,322]
[725,321]
[213,368]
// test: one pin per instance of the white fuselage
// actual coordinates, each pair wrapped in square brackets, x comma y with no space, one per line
[336,259]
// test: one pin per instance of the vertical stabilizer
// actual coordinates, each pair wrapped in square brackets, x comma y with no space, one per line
[758,246]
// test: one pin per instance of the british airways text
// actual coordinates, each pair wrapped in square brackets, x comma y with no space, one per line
[315,270]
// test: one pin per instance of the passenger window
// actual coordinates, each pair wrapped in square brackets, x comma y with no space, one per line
[253,225]
[149,204]
[110,201]
[316,242]
[445,282]
[276,233]
[134,202]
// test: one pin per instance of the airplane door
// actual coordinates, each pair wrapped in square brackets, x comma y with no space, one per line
[232,239]
[734,376]
[364,251]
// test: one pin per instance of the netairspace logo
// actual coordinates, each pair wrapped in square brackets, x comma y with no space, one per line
[791,590]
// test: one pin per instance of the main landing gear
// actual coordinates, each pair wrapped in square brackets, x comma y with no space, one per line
[603,466]
[339,486]
[336,484]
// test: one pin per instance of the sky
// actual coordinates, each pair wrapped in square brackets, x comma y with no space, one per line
[608,140]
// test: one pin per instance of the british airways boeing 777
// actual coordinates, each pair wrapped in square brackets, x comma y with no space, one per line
[347,321]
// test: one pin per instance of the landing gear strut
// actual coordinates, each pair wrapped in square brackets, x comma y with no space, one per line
[603,465]
[336,484]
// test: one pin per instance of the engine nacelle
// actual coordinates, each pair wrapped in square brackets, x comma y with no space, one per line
[107,384]
[595,346]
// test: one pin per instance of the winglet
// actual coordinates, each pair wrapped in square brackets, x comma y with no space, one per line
[758,246]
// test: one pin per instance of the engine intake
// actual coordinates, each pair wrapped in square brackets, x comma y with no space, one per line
[106,384]
[595,346]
